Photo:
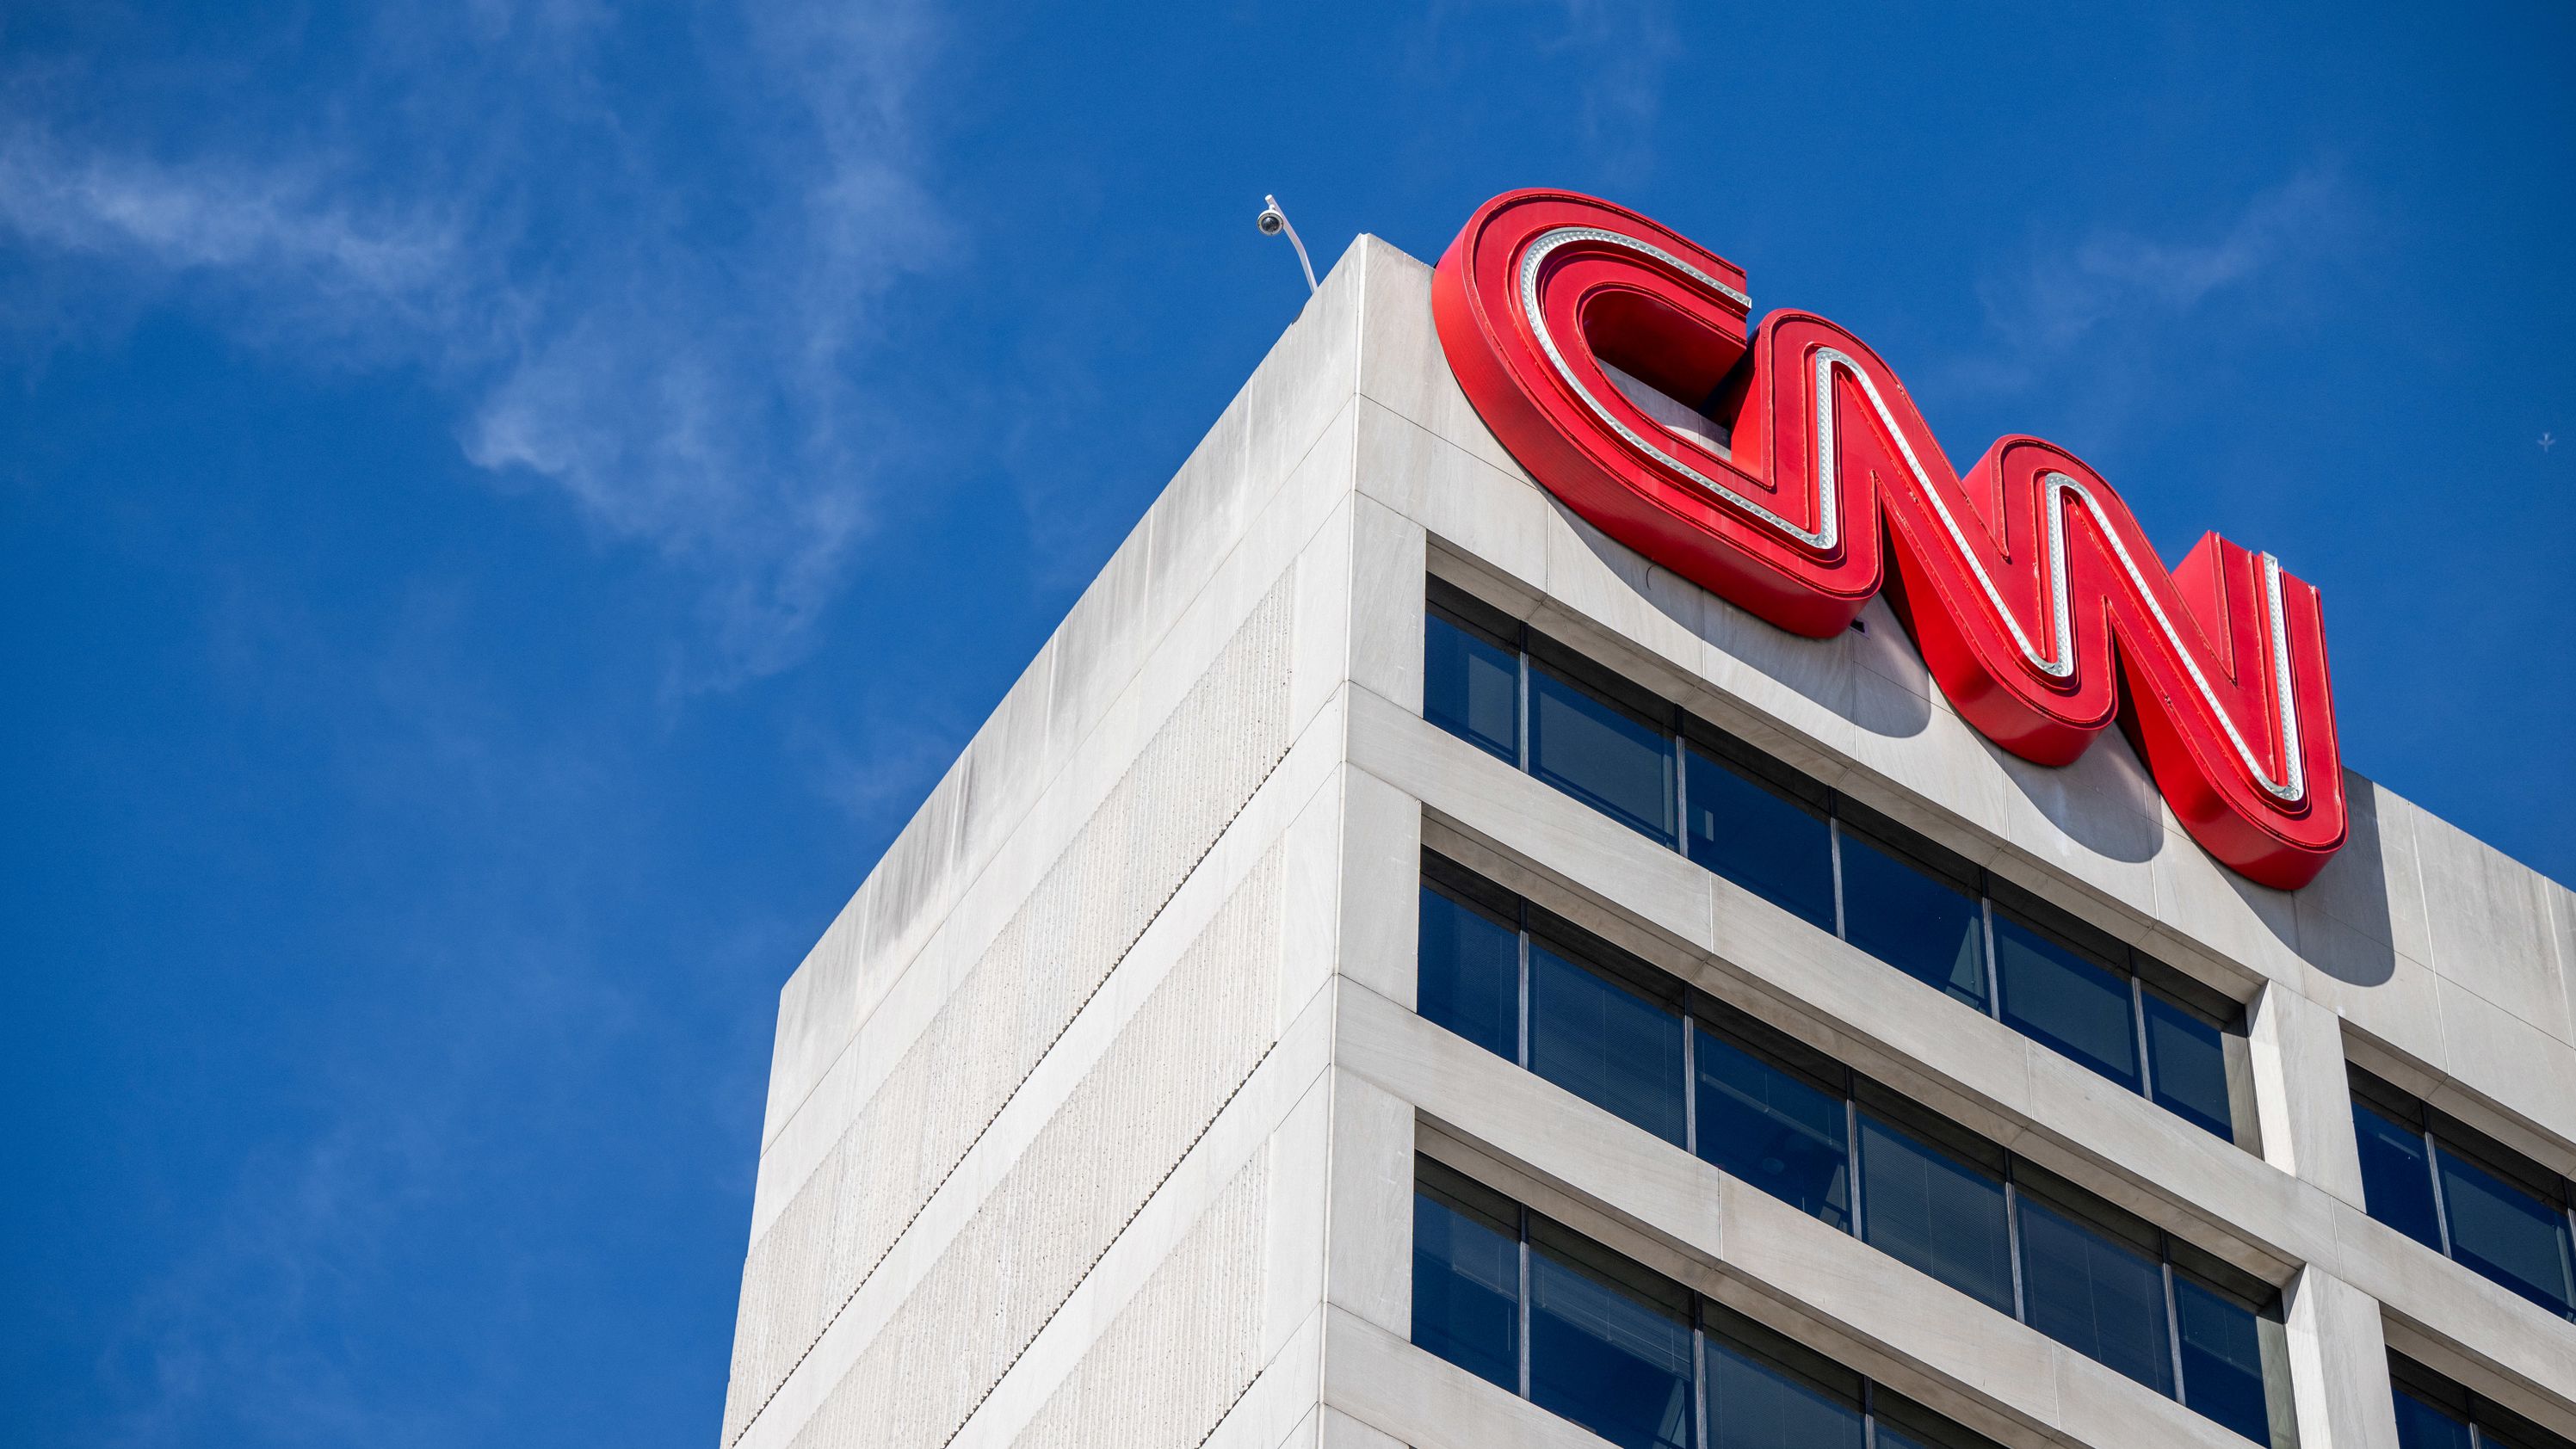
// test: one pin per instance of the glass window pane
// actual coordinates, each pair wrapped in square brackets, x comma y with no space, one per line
[1772,1129]
[2396,1182]
[1905,1424]
[2187,1058]
[2057,997]
[1466,1290]
[1753,1404]
[1926,1208]
[1605,1357]
[2420,1425]
[2222,1360]
[1605,1043]
[1601,756]
[1470,974]
[1471,688]
[2510,1235]
[1771,846]
[1920,924]
[2095,1294]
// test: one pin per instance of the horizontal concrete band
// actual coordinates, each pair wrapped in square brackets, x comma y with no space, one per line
[1956,1061]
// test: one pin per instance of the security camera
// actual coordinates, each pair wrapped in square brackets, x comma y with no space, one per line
[1272,222]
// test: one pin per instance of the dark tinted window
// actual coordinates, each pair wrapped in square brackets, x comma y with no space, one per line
[1471,687]
[2058,997]
[2094,1293]
[2222,1359]
[1913,920]
[1605,1043]
[2512,1236]
[1604,1351]
[1924,1207]
[2187,1058]
[1754,1403]
[2396,1179]
[1773,846]
[1772,1129]
[1470,981]
[1466,1285]
[2435,1413]
[2420,1425]
[1601,755]
[1905,1424]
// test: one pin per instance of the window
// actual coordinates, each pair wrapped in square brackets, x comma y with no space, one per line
[2091,1286]
[1804,1128]
[1774,1128]
[1609,753]
[1831,862]
[1629,1354]
[2058,993]
[1467,1278]
[1936,1210]
[2435,1413]
[1471,972]
[1908,911]
[1610,1343]
[1606,1042]
[1471,685]
[1762,828]
[2465,1195]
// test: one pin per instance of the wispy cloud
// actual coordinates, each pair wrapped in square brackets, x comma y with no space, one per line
[2079,294]
[672,333]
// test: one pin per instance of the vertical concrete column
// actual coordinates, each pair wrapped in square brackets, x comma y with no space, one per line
[2301,1095]
[1368,1264]
[2338,1365]
[1390,557]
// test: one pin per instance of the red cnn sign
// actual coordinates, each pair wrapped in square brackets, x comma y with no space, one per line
[1786,472]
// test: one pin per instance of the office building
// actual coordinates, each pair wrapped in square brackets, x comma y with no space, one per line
[1400,969]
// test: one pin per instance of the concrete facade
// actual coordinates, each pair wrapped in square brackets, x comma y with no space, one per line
[1093,1116]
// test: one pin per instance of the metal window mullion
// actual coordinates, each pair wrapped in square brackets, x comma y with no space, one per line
[1851,1165]
[2568,1213]
[2012,1241]
[1521,686]
[1690,1078]
[1699,1371]
[2173,1314]
[1834,850]
[1868,1414]
[1681,788]
[2433,1171]
[2138,1029]
[1524,1334]
[1521,1043]
[1994,969]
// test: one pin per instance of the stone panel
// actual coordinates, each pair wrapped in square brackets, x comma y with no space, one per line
[1069,1196]
[1184,1348]
[1185,787]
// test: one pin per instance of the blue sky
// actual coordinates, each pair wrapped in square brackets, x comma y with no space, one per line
[506,507]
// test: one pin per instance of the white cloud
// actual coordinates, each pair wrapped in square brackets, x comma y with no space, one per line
[675,343]
[2069,293]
